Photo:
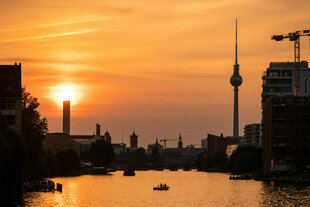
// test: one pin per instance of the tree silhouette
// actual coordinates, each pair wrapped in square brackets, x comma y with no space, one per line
[34,129]
[101,153]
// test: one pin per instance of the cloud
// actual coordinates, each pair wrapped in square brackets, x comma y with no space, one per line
[78,20]
[49,36]
[15,59]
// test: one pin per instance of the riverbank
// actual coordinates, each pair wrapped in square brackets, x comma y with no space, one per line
[294,179]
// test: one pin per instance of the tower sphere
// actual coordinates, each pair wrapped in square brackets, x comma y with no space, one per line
[236,80]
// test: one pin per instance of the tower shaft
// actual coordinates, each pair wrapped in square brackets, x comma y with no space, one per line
[236,113]
[66,117]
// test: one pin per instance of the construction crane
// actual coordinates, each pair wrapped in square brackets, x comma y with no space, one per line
[165,140]
[294,36]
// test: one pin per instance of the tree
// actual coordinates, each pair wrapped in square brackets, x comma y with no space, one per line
[216,163]
[101,153]
[34,129]
[246,159]
[139,156]
[68,162]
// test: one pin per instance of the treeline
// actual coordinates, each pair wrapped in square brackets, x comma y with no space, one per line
[101,154]
[139,159]
[245,160]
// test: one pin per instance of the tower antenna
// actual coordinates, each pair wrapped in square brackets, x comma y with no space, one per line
[236,52]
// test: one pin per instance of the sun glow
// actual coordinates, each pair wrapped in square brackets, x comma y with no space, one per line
[65,93]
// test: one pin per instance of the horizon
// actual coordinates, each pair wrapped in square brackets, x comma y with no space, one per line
[161,68]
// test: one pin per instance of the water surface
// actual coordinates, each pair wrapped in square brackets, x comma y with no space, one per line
[187,189]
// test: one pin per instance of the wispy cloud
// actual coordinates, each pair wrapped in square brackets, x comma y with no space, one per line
[49,36]
[78,20]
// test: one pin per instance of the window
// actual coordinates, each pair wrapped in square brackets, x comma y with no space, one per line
[273,74]
[10,119]
[7,103]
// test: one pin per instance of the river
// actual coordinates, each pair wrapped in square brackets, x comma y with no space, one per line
[187,189]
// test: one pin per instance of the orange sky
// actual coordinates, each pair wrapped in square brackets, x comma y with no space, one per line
[162,67]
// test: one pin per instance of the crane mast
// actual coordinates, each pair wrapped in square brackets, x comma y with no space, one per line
[165,140]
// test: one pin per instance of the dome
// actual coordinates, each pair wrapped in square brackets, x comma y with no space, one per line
[236,80]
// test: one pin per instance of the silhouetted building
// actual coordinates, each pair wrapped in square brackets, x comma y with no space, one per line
[79,143]
[180,143]
[133,140]
[97,129]
[56,142]
[287,134]
[157,146]
[216,144]
[66,117]
[252,135]
[204,143]
[10,95]
[278,80]
[119,148]
[107,137]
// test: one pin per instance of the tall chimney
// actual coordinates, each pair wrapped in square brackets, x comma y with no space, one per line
[66,117]
[97,129]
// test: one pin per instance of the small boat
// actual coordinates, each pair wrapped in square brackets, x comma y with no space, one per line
[162,187]
[129,172]
[239,177]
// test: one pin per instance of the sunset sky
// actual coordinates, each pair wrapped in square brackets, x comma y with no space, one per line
[162,67]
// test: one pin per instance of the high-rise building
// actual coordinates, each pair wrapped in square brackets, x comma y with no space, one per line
[236,81]
[10,96]
[66,117]
[286,134]
[252,135]
[134,140]
[278,80]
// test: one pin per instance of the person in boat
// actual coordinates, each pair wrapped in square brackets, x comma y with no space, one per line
[161,185]
[165,185]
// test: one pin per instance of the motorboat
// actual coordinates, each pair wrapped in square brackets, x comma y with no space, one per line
[161,187]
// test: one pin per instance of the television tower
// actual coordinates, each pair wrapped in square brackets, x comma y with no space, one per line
[236,81]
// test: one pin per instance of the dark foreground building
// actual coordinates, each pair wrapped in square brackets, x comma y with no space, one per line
[286,134]
[10,95]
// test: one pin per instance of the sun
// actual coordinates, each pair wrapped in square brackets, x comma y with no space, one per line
[65,93]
